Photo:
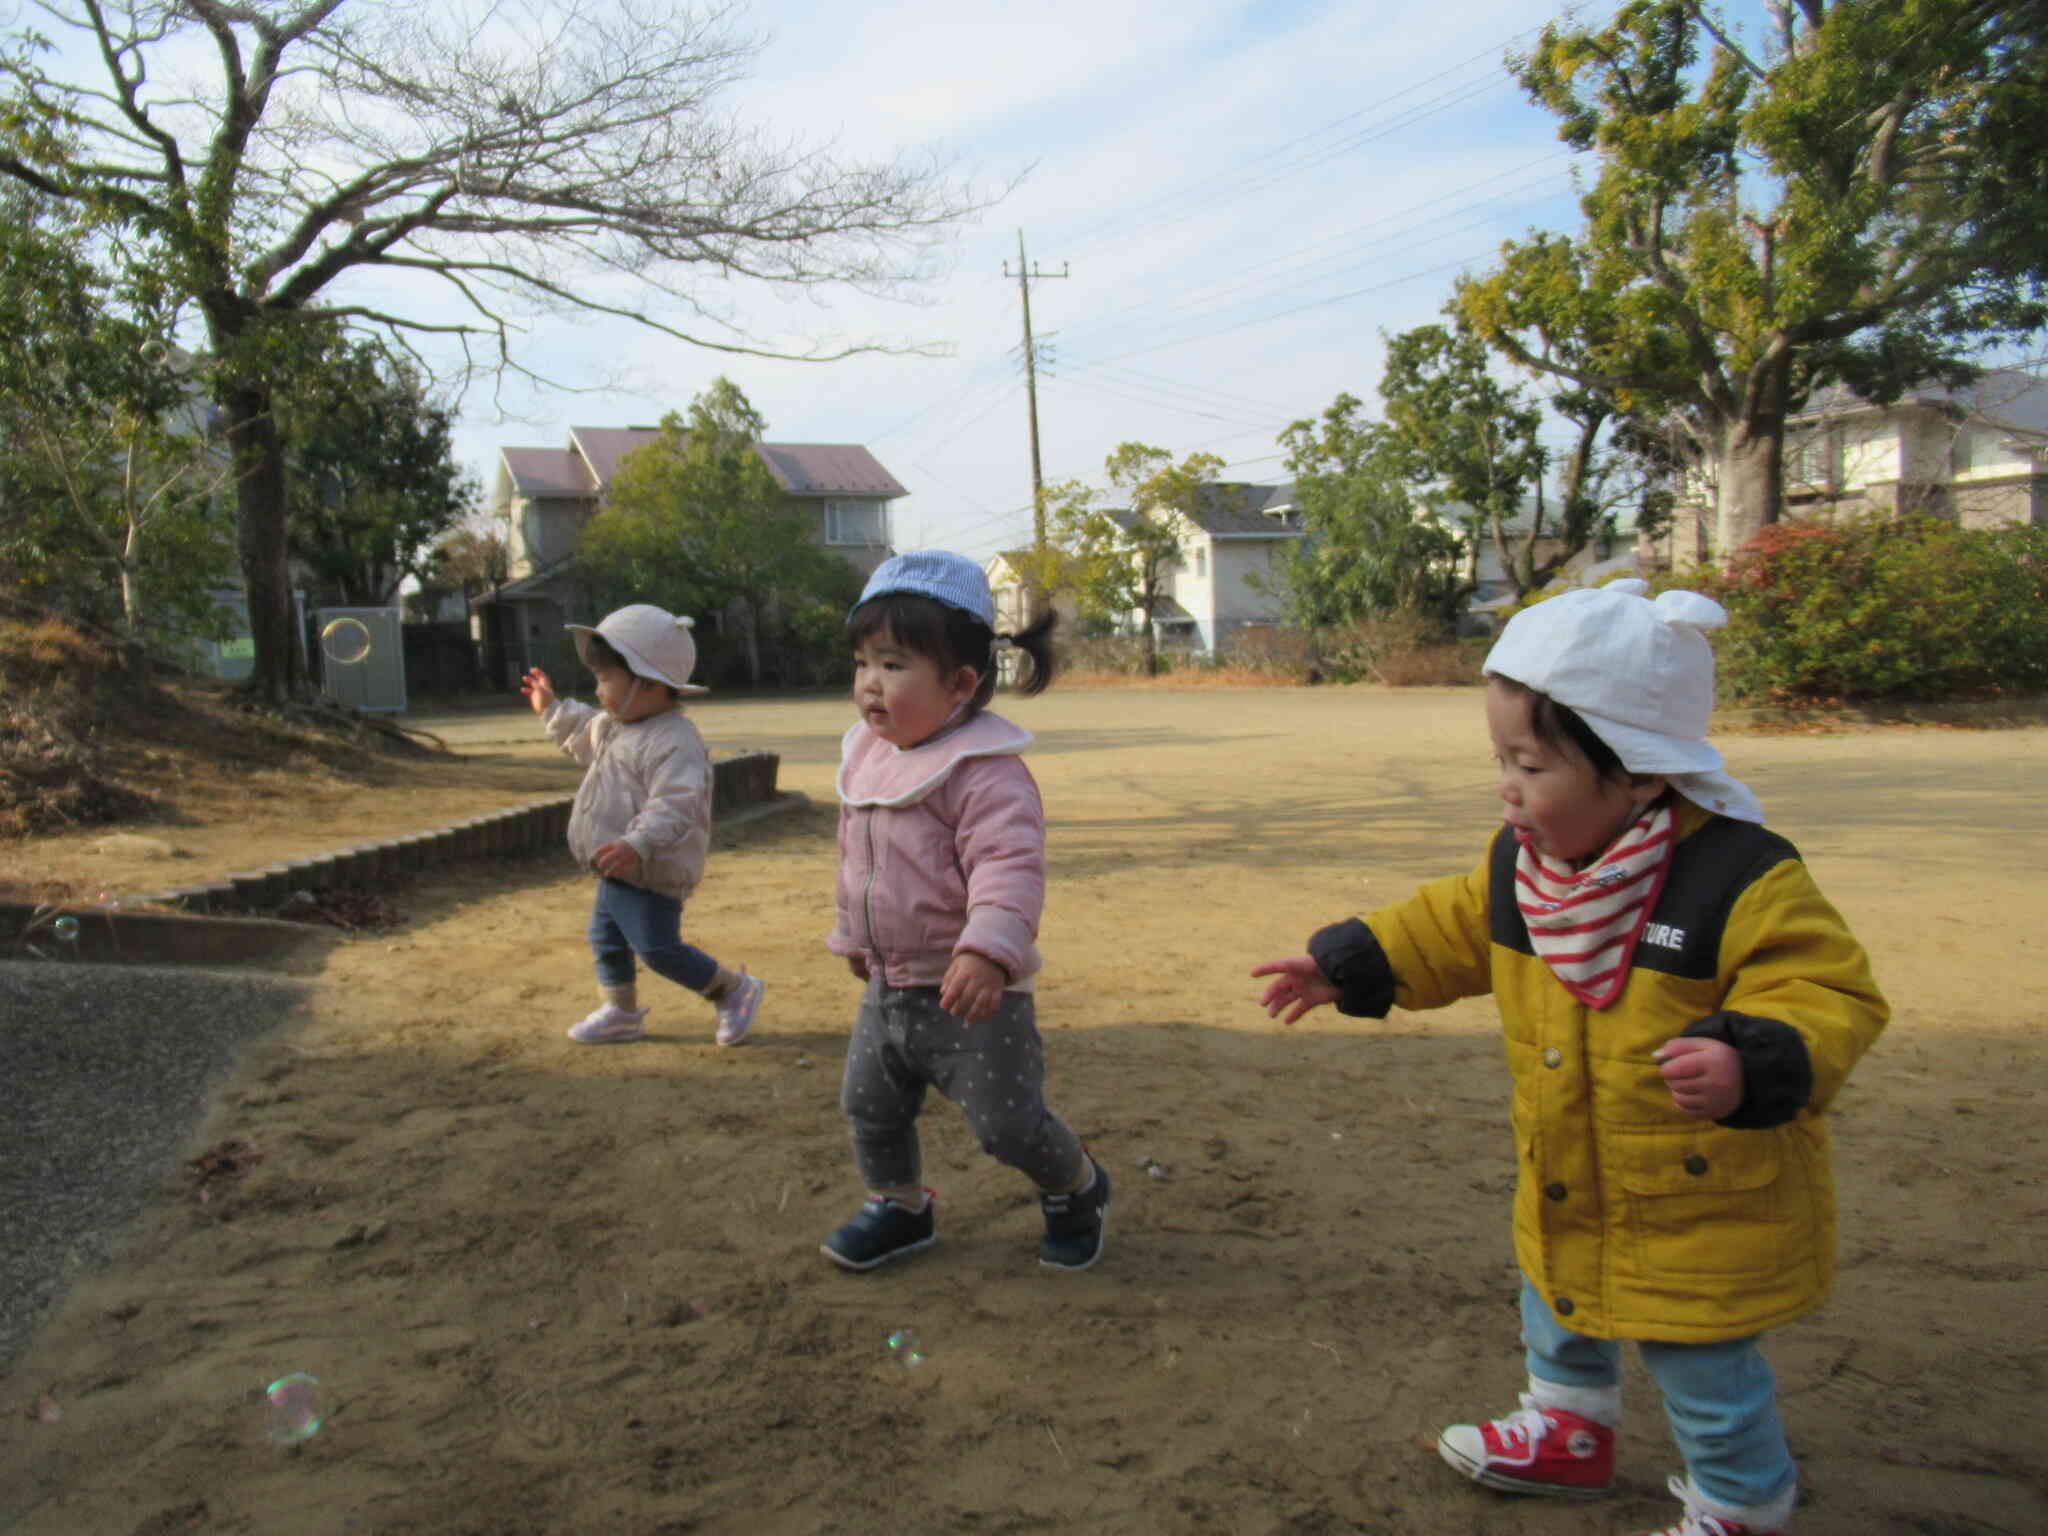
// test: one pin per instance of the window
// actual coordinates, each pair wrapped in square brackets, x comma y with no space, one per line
[1812,459]
[1201,561]
[1962,453]
[856,522]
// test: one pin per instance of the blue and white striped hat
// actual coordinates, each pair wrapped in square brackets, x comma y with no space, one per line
[948,578]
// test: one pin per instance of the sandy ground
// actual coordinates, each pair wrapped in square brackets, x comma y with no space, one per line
[549,1288]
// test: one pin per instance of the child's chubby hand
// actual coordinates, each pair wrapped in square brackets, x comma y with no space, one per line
[972,987]
[1298,986]
[540,693]
[1704,1076]
[858,964]
[619,859]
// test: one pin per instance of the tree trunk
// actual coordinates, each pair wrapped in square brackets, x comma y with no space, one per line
[1749,479]
[260,534]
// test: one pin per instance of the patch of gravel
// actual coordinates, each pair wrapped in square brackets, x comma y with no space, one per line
[104,1077]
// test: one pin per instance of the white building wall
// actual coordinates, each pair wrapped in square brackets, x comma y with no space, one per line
[1236,599]
[1871,451]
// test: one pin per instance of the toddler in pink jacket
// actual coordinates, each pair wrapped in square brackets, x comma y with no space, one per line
[941,882]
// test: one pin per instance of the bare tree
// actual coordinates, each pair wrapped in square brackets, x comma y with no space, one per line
[489,160]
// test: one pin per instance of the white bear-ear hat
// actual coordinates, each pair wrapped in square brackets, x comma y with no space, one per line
[1639,671]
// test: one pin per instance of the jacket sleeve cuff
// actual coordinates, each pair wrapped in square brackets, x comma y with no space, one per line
[998,934]
[1777,1072]
[1352,961]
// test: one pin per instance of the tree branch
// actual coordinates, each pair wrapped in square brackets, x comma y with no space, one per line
[1728,44]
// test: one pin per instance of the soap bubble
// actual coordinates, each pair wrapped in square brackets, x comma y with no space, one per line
[65,928]
[291,1406]
[346,641]
[906,1349]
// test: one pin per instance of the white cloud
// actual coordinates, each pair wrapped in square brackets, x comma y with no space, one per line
[1247,196]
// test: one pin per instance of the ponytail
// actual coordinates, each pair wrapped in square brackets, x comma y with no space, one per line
[1035,641]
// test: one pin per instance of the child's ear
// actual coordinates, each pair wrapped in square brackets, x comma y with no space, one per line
[1645,787]
[964,681]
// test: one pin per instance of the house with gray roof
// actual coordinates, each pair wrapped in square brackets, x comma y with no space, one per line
[542,498]
[1236,532]
[1976,454]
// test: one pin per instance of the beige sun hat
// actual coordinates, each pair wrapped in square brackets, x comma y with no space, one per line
[655,643]
[1639,672]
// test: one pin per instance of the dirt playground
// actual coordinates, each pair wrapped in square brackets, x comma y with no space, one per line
[550,1288]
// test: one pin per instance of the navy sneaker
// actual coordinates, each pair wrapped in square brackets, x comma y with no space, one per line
[1074,1223]
[883,1230]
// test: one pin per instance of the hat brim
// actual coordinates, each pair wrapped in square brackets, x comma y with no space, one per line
[638,664]
[1646,751]
[1695,768]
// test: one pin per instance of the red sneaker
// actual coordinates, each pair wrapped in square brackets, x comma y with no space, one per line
[1534,1450]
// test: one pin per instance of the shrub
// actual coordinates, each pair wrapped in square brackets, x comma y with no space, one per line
[1881,608]
[1399,650]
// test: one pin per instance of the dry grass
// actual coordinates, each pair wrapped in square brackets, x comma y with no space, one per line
[90,736]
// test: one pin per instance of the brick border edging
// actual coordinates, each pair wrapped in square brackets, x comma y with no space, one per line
[221,922]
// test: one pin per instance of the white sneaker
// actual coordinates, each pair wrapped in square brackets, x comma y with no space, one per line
[736,1013]
[610,1025]
[1700,1521]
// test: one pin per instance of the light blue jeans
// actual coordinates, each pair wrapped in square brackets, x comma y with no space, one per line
[1721,1399]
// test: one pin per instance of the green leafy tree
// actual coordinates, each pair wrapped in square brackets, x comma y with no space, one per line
[695,521]
[471,557]
[374,479]
[494,161]
[1121,561]
[1483,444]
[1368,548]
[1821,203]
[108,482]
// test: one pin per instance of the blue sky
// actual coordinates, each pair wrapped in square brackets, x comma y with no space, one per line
[1246,197]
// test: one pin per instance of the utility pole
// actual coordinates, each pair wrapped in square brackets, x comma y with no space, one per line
[1024,276]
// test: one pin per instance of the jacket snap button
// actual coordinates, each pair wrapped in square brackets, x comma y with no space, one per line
[1553,1057]
[1695,1164]
[1564,1307]
[1554,1191]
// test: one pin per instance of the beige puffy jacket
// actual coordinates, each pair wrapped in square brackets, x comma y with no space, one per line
[648,783]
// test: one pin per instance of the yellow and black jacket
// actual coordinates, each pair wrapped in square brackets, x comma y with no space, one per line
[1633,1220]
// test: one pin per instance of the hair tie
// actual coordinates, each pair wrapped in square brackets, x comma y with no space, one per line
[1002,640]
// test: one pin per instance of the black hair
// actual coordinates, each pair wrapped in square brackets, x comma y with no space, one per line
[1560,728]
[600,652]
[954,638]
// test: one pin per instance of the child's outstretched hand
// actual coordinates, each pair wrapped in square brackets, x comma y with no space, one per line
[1299,987]
[540,693]
[619,859]
[972,987]
[1704,1076]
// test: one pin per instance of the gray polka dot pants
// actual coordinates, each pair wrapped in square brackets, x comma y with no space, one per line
[903,1041]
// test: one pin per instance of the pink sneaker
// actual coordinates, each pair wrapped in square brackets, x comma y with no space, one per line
[1534,1450]
[1698,1522]
[736,1013]
[610,1025]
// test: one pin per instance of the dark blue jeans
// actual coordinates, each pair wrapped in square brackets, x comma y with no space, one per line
[629,921]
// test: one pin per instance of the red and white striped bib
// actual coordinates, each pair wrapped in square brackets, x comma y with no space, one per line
[1584,923]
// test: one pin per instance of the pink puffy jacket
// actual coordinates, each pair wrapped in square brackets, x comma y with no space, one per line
[941,849]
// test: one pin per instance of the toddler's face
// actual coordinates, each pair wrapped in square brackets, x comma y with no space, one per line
[900,693]
[626,703]
[1551,795]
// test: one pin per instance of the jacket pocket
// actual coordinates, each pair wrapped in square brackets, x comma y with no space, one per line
[1702,1203]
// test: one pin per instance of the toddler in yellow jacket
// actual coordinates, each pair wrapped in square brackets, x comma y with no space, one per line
[1680,1005]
